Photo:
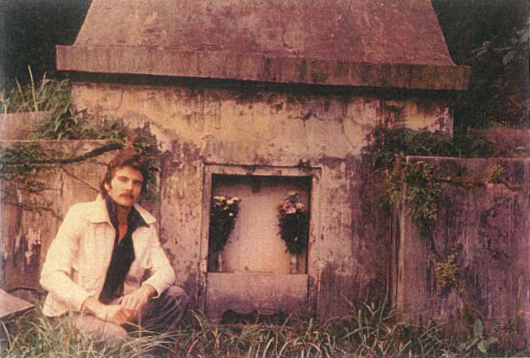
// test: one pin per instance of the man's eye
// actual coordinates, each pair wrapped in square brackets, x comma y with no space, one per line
[138,184]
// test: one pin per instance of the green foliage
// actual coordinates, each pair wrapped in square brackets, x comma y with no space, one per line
[375,332]
[386,145]
[372,330]
[423,191]
[63,123]
[447,272]
[492,37]
[499,85]
[33,335]
[496,174]
[478,341]
[23,182]
[386,153]
[25,175]
[48,95]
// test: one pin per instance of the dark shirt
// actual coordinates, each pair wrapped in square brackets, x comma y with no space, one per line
[122,254]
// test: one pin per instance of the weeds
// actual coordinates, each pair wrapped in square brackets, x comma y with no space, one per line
[48,95]
[496,174]
[369,331]
[33,335]
[62,122]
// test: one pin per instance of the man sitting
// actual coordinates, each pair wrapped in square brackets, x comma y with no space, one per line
[106,263]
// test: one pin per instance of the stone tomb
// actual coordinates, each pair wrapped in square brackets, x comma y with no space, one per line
[258,98]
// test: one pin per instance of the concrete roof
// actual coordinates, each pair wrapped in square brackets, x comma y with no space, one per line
[381,43]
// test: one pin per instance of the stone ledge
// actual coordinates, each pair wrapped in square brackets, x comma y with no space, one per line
[10,305]
[247,292]
[258,67]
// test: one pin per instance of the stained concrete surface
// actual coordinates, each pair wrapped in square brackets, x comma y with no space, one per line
[382,43]
[487,227]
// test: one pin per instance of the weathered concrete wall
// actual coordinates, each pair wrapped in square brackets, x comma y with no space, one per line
[15,126]
[266,128]
[32,220]
[488,229]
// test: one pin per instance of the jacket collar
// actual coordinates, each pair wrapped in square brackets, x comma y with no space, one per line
[100,214]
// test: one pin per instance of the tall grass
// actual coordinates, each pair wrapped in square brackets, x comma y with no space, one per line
[369,331]
[46,95]
[33,335]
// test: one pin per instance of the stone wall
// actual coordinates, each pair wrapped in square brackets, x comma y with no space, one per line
[15,126]
[271,130]
[487,228]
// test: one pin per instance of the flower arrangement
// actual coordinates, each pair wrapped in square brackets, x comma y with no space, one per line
[294,223]
[223,215]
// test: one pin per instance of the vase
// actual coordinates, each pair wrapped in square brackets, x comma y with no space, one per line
[220,261]
[294,264]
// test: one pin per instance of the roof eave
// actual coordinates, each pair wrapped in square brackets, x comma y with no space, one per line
[259,67]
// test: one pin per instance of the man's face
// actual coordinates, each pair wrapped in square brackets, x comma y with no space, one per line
[125,186]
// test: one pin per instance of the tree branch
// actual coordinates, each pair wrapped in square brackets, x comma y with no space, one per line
[93,153]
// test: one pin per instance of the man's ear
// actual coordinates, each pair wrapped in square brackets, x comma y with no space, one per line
[107,186]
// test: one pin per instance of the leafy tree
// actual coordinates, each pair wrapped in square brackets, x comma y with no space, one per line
[491,36]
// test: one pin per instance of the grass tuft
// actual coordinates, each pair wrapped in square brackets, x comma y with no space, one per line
[368,331]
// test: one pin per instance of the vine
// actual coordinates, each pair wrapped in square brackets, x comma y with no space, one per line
[447,271]
[387,152]
[420,187]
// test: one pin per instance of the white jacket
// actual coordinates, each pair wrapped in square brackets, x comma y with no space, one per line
[79,256]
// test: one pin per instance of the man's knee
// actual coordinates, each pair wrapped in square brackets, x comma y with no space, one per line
[177,295]
[113,334]
[116,335]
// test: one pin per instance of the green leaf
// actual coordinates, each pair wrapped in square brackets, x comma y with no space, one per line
[470,344]
[482,346]
[478,328]
[492,340]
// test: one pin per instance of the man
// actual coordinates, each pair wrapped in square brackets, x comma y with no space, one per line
[96,265]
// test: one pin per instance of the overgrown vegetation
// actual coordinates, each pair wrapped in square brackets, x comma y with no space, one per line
[25,164]
[368,331]
[387,154]
[33,335]
[47,95]
[447,272]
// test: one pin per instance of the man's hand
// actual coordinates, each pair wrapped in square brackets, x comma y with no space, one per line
[116,314]
[135,301]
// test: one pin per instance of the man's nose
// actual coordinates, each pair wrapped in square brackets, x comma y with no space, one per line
[129,185]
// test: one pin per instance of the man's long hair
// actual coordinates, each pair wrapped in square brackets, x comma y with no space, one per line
[126,158]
